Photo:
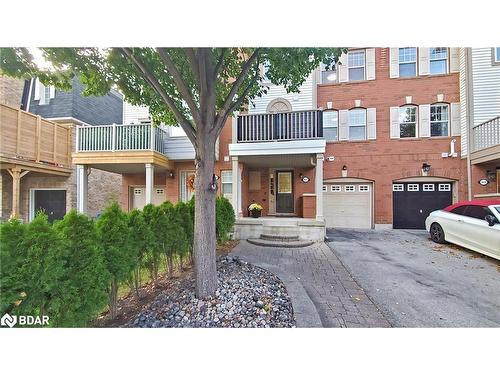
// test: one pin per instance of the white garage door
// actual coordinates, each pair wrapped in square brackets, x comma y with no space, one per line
[348,205]
[139,197]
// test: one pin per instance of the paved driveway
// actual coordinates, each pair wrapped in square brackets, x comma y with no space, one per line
[417,283]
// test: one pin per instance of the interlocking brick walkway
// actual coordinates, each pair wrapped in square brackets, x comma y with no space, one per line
[315,274]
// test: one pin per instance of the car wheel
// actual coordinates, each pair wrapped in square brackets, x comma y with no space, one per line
[437,233]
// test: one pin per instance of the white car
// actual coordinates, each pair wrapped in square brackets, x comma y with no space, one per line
[474,225]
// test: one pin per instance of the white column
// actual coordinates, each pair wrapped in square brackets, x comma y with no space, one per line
[150,176]
[82,186]
[319,186]
[235,186]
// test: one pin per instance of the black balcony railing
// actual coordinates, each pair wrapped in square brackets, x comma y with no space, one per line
[285,126]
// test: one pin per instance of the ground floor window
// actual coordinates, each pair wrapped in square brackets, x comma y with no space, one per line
[227,184]
[186,190]
[50,201]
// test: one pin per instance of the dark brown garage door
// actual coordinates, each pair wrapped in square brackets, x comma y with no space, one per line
[52,202]
[412,202]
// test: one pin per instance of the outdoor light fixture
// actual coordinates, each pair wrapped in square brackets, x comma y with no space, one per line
[426,168]
[171,174]
[344,171]
[491,175]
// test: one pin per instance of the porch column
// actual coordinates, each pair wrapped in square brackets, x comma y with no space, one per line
[319,186]
[82,188]
[150,176]
[16,189]
[235,186]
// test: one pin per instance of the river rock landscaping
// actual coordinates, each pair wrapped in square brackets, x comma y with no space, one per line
[247,296]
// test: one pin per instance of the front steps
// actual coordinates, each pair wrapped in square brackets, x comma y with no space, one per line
[287,241]
[304,229]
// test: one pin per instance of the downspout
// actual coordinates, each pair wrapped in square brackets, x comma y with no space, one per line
[469,117]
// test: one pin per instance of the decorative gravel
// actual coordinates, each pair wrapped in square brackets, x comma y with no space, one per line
[247,296]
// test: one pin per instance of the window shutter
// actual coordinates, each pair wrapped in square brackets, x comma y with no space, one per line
[371,123]
[343,126]
[370,64]
[455,119]
[424,120]
[343,71]
[52,92]
[41,94]
[395,133]
[454,60]
[394,62]
[37,89]
[423,61]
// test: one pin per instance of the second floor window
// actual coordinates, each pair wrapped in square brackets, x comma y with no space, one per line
[439,120]
[408,121]
[357,124]
[408,62]
[438,60]
[356,65]
[497,54]
[330,125]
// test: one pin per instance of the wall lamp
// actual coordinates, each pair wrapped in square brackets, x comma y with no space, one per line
[426,168]
[171,174]
[344,171]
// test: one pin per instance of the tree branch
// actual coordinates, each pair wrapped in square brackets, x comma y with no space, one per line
[220,119]
[179,83]
[193,61]
[151,79]
[219,63]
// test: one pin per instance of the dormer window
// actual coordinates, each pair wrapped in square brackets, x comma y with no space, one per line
[43,93]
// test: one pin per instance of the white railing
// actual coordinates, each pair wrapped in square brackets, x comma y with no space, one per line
[283,126]
[486,134]
[136,137]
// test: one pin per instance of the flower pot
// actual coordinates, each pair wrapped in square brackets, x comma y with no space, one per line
[255,213]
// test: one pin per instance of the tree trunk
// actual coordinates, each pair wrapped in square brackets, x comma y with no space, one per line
[170,265]
[113,297]
[204,217]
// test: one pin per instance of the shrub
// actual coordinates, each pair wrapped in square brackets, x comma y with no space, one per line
[172,236]
[41,269]
[12,256]
[141,239]
[119,256]
[224,219]
[187,224]
[152,258]
[82,285]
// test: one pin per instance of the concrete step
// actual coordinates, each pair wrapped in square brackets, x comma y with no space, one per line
[279,237]
[286,244]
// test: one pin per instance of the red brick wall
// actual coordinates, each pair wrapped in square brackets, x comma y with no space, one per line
[479,173]
[384,160]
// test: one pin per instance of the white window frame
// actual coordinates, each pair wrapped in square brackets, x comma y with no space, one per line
[336,113]
[408,62]
[415,123]
[335,188]
[363,188]
[349,66]
[434,122]
[439,59]
[413,187]
[352,188]
[227,182]
[428,187]
[32,200]
[444,187]
[496,55]
[350,125]
[398,187]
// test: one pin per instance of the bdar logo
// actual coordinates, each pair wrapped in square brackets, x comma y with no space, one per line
[8,320]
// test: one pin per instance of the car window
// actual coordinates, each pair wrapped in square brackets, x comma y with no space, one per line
[477,212]
[459,210]
[498,209]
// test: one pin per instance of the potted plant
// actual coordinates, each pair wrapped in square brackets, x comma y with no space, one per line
[255,209]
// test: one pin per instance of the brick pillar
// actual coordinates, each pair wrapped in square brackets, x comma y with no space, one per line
[319,186]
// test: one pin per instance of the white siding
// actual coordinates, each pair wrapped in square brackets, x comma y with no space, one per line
[304,100]
[132,114]
[485,86]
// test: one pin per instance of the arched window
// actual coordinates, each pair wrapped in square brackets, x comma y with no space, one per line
[408,121]
[440,120]
[279,105]
[331,125]
[357,124]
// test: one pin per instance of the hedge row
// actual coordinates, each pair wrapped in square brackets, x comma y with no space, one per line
[71,270]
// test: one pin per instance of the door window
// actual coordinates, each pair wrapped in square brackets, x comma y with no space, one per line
[284,182]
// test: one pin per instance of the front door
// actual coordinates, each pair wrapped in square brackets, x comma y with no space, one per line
[284,192]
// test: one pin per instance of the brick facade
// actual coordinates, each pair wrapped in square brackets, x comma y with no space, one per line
[11,91]
[383,159]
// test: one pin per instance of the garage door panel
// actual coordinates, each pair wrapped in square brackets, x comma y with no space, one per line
[348,209]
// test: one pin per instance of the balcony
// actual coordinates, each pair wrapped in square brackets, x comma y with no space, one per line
[121,148]
[486,141]
[31,143]
[274,127]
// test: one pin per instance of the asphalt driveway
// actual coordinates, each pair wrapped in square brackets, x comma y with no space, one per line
[417,283]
